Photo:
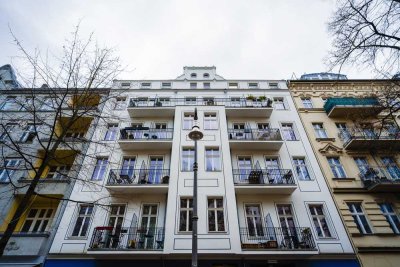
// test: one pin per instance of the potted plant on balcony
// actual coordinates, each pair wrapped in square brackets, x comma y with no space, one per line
[158,104]
[263,99]
[250,99]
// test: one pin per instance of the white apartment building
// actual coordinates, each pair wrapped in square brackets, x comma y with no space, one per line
[262,199]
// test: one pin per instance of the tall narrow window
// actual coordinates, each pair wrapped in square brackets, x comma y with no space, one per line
[9,103]
[100,169]
[288,132]
[38,220]
[116,218]
[319,220]
[307,103]
[391,217]
[206,85]
[128,167]
[319,130]
[185,214]
[155,170]
[187,159]
[193,85]
[83,220]
[286,220]
[245,166]
[359,218]
[120,103]
[213,159]
[7,131]
[112,132]
[27,104]
[28,134]
[254,220]
[301,169]
[336,167]
[48,104]
[9,167]
[210,121]
[188,119]
[279,103]
[216,222]
[149,216]
[391,167]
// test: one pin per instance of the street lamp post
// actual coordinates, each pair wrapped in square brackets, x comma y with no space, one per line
[195,135]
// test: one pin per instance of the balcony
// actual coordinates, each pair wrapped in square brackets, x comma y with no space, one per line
[165,107]
[144,138]
[340,107]
[381,179]
[57,184]
[106,238]
[20,243]
[370,138]
[268,181]
[138,180]
[255,139]
[277,238]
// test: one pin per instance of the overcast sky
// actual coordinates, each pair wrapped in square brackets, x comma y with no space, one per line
[243,38]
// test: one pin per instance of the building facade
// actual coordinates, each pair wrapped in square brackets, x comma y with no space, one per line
[262,198]
[31,121]
[357,144]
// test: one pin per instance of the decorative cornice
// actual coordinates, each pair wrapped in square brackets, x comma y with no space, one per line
[331,149]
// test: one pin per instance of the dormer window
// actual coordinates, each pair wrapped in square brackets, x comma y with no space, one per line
[253,85]
[125,84]
[193,75]
[206,75]
[233,85]
[166,85]
[193,85]
[273,85]
[146,85]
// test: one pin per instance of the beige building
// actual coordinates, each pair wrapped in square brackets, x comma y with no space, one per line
[360,158]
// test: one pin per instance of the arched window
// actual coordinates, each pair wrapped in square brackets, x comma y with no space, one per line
[193,75]
[206,75]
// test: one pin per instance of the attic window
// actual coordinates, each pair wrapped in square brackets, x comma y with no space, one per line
[253,85]
[125,84]
[193,75]
[166,85]
[146,85]
[273,85]
[233,85]
[206,75]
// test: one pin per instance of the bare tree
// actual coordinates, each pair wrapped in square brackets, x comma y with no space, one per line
[61,96]
[366,33]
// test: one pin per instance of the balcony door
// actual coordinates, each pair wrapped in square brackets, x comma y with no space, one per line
[128,167]
[115,220]
[391,167]
[156,169]
[364,168]
[244,165]
[161,130]
[254,220]
[287,222]
[147,230]
[273,170]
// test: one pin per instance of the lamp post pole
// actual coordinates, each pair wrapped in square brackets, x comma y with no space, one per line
[195,135]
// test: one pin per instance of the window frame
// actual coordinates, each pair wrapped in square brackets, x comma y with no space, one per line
[189,159]
[391,216]
[100,169]
[215,209]
[319,130]
[354,213]
[284,131]
[112,132]
[214,159]
[188,209]
[44,221]
[319,217]
[336,167]
[307,102]
[120,103]
[295,159]
[281,103]
[86,217]
[210,121]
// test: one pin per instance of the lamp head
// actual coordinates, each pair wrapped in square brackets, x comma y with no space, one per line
[195,134]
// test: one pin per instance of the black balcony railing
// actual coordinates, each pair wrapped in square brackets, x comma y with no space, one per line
[349,101]
[380,174]
[127,238]
[129,176]
[270,134]
[145,133]
[263,177]
[227,102]
[350,134]
[280,238]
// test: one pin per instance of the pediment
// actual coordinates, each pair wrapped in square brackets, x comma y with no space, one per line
[331,149]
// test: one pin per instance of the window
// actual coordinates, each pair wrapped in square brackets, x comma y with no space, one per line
[323,99]
[235,102]
[286,218]
[213,160]
[8,168]
[6,132]
[28,134]
[254,219]
[336,167]
[319,130]
[263,126]
[188,119]
[58,172]
[253,85]
[359,218]
[128,166]
[288,132]
[273,85]
[155,170]
[125,84]
[364,168]
[112,132]
[206,75]
[391,217]
[307,103]
[216,222]
[279,103]
[209,101]
[343,131]
[185,214]
[83,220]
[166,85]
[100,169]
[149,216]
[193,75]
[48,104]
[210,121]
[146,85]
[116,218]
[320,223]
[28,103]
[206,85]
[120,103]
[142,101]
[190,101]
[391,167]
[193,85]
[233,85]
[301,169]
[9,103]
[38,220]
[187,159]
